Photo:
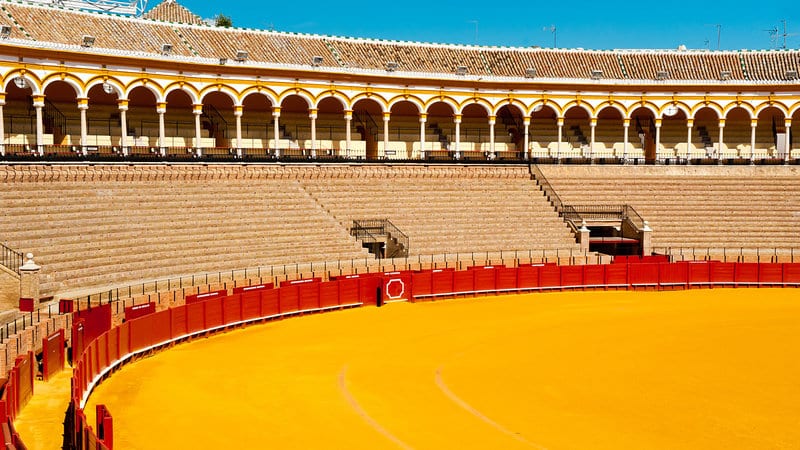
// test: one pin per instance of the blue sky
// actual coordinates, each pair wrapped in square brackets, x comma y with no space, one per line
[590,25]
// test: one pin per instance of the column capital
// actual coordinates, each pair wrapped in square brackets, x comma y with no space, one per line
[593,122]
[238,110]
[492,119]
[2,98]
[722,122]
[276,111]
[626,122]
[38,100]
[423,117]
[83,103]
[754,122]
[560,121]
[689,123]
[197,109]
[387,116]
[348,114]
[457,118]
[658,122]
[122,104]
[787,122]
[161,107]
[526,121]
[312,113]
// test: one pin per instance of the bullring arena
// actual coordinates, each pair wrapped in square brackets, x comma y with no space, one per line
[218,237]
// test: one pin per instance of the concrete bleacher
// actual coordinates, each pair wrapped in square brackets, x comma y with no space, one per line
[702,207]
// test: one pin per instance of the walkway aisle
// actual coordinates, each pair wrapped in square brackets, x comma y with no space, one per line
[41,422]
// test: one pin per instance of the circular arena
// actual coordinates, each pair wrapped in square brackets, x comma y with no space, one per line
[307,241]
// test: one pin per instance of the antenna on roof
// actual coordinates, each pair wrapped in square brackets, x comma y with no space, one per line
[774,35]
[554,30]
[476,29]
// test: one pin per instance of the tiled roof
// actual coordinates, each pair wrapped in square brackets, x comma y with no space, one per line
[172,11]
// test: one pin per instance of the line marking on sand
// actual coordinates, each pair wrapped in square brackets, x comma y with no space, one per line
[361,412]
[470,409]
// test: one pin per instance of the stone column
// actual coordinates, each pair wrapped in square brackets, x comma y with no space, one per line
[753,126]
[584,237]
[526,122]
[658,138]
[2,125]
[29,280]
[492,121]
[386,117]
[237,114]
[592,127]
[122,104]
[457,122]
[560,125]
[312,114]
[161,109]
[348,118]
[276,115]
[689,126]
[197,110]
[721,135]
[626,123]
[38,104]
[423,119]
[788,124]
[83,106]
[647,234]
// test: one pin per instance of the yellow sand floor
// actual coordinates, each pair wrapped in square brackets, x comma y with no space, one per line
[41,421]
[598,370]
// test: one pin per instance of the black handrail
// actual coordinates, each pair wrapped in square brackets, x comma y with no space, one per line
[11,259]
[546,187]
[374,230]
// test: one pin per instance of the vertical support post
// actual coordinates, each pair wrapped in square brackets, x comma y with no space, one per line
[526,124]
[83,106]
[161,109]
[38,104]
[721,138]
[560,128]
[592,127]
[2,125]
[423,119]
[689,126]
[626,123]
[197,110]
[386,117]
[348,119]
[122,105]
[658,138]
[238,110]
[457,123]
[788,124]
[753,126]
[276,116]
[312,115]
[492,121]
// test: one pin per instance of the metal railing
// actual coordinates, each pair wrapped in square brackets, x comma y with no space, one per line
[11,259]
[379,230]
[546,187]
[614,213]
[217,120]
[731,254]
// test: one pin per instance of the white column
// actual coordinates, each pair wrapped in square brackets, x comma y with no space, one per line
[626,123]
[689,126]
[122,104]
[2,126]
[753,125]
[386,117]
[457,122]
[197,110]
[492,121]
[348,118]
[423,119]
[526,122]
[560,123]
[161,109]
[276,115]
[312,114]
[83,106]
[721,134]
[592,127]
[788,124]
[237,114]
[658,138]
[38,104]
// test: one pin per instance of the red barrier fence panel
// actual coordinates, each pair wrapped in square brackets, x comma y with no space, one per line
[746,273]
[673,274]
[549,276]
[463,281]
[528,276]
[96,321]
[485,278]
[136,311]
[232,309]
[65,306]
[329,294]
[251,304]
[113,345]
[699,273]
[396,286]
[616,275]
[213,313]
[770,274]
[289,298]
[124,339]
[309,296]
[571,276]
[270,302]
[25,371]
[257,287]
[195,317]
[791,273]
[594,275]
[102,352]
[643,274]
[421,283]
[150,330]
[105,426]
[506,279]
[722,273]
[52,354]
[179,321]
[368,288]
[442,281]
[348,290]
[194,298]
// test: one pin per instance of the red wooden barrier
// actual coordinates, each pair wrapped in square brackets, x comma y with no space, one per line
[422,283]
[699,273]
[463,281]
[770,273]
[549,276]
[251,304]
[194,298]
[571,276]
[506,279]
[195,317]
[396,286]
[52,354]
[214,313]
[289,298]
[65,306]
[673,275]
[441,281]
[329,294]
[722,274]
[368,286]
[25,304]
[95,321]
[105,426]
[232,309]
[617,275]
[594,275]
[746,274]
[643,275]
[791,274]
[270,302]
[309,295]
[149,330]
[258,287]
[485,278]
[348,290]
[133,312]
[25,373]
[528,276]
